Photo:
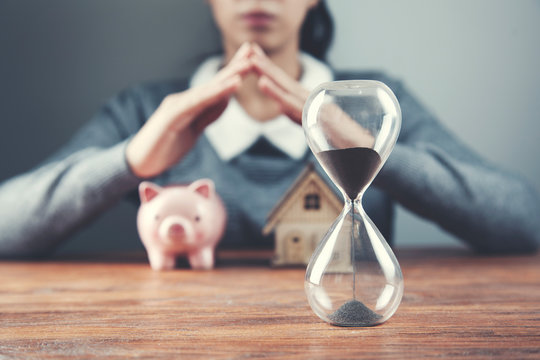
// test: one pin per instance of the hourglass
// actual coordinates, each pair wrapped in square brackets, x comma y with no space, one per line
[353,277]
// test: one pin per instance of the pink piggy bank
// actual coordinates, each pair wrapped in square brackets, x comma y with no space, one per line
[180,219]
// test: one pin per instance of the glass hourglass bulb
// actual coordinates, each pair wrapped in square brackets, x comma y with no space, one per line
[353,277]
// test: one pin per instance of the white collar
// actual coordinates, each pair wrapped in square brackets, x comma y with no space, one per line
[235,131]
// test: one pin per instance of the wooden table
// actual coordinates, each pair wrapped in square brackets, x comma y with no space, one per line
[456,305]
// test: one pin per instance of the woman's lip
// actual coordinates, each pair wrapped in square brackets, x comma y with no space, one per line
[258,19]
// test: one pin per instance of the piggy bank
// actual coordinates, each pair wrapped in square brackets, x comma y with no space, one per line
[180,220]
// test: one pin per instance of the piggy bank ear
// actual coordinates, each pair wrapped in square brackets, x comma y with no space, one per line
[204,187]
[148,191]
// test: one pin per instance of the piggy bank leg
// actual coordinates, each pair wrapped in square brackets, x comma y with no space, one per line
[203,259]
[161,261]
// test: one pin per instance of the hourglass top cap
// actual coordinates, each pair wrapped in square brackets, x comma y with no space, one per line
[351,85]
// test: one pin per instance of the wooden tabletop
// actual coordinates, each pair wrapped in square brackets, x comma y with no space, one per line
[455,305]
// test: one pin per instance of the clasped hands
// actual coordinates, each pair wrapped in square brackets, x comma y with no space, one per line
[174,127]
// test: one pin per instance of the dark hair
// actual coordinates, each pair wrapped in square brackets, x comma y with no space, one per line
[317,31]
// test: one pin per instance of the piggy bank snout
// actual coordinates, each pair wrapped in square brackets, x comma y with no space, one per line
[176,228]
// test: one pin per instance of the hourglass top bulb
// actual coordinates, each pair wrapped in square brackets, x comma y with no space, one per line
[351,127]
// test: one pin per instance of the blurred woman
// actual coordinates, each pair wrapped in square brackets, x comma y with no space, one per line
[236,121]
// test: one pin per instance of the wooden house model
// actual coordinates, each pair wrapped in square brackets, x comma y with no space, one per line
[302,217]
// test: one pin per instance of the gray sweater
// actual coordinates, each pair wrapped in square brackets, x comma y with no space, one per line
[429,172]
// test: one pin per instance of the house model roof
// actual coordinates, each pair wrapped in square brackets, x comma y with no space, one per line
[293,194]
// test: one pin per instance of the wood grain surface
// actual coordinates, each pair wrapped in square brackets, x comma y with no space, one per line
[455,305]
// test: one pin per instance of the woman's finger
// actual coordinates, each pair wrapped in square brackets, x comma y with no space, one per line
[239,64]
[206,95]
[264,66]
[238,67]
[187,105]
[208,116]
[291,104]
[243,51]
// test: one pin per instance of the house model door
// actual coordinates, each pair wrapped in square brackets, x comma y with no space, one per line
[294,248]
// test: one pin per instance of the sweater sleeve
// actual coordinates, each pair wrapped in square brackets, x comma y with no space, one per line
[89,174]
[433,174]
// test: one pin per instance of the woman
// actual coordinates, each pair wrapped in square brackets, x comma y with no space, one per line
[236,121]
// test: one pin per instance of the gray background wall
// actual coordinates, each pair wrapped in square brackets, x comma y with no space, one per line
[474,64]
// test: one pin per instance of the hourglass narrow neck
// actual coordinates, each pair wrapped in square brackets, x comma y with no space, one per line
[353,202]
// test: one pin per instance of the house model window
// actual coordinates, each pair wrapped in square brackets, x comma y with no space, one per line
[312,202]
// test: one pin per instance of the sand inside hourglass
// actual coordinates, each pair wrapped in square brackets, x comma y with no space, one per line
[352,169]
[354,312]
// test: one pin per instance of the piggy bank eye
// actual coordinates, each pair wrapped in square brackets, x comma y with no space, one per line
[197,218]
[156,217]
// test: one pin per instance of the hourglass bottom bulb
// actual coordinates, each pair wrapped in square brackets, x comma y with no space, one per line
[353,278]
